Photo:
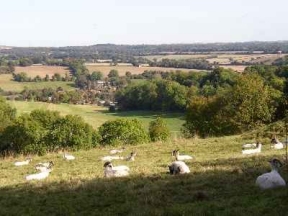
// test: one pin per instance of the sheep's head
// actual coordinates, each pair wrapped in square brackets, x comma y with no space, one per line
[276,163]
[108,164]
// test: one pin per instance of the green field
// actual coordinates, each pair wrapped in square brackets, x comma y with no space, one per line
[7,84]
[96,116]
[221,182]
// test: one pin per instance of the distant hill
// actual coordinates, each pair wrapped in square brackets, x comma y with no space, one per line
[114,51]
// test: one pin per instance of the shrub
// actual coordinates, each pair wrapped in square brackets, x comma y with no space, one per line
[71,132]
[122,131]
[158,130]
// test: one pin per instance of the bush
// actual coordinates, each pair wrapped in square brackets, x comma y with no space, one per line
[122,131]
[158,130]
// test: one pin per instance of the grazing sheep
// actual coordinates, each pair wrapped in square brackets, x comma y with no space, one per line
[178,167]
[68,156]
[131,157]
[22,163]
[44,166]
[116,151]
[39,176]
[272,179]
[110,158]
[254,150]
[276,144]
[117,171]
[179,157]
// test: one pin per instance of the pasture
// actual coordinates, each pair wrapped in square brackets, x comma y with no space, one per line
[7,84]
[134,70]
[42,70]
[96,116]
[221,182]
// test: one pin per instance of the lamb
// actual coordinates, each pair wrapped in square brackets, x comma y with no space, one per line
[179,157]
[116,151]
[118,171]
[276,144]
[131,157]
[22,163]
[68,156]
[254,150]
[178,167]
[249,145]
[39,176]
[110,158]
[272,179]
[44,166]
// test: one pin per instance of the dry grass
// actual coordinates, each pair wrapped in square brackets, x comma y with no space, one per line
[134,70]
[42,70]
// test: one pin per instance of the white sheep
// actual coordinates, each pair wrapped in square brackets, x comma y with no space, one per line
[249,145]
[110,158]
[118,171]
[44,166]
[68,156]
[39,176]
[131,157]
[179,157]
[178,167]
[272,179]
[276,144]
[254,150]
[116,151]
[22,163]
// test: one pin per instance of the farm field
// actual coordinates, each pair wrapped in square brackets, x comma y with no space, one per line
[238,68]
[42,70]
[96,116]
[222,58]
[221,182]
[134,70]
[7,84]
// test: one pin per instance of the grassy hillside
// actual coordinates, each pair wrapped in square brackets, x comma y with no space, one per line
[96,116]
[221,182]
[7,84]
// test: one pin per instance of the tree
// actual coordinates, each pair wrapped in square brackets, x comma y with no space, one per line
[7,114]
[158,130]
[122,131]
[113,73]
[96,75]
[249,103]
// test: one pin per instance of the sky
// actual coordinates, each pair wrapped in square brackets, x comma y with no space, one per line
[86,22]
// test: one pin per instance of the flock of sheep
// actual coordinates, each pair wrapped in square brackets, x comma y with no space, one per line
[268,180]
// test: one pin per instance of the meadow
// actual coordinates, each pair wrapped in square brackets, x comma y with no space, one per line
[221,182]
[7,84]
[97,115]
